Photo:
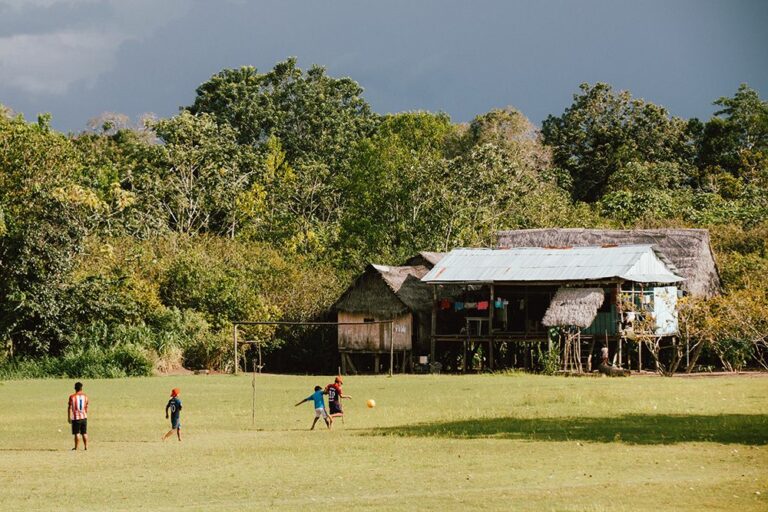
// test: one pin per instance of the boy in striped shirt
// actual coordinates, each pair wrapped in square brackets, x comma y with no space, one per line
[77,415]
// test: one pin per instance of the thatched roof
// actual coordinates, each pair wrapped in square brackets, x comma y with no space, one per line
[688,250]
[573,307]
[424,258]
[387,292]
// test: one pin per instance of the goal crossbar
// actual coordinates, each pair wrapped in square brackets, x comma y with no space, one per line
[237,323]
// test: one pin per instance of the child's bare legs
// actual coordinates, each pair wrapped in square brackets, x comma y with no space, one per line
[77,441]
[170,433]
[178,433]
[314,422]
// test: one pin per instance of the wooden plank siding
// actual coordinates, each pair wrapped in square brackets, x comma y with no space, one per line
[374,337]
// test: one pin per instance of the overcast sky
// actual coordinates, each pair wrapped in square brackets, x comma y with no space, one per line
[78,58]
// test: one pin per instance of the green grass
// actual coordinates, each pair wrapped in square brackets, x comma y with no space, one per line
[515,442]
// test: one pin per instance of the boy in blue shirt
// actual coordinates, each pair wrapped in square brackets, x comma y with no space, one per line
[317,398]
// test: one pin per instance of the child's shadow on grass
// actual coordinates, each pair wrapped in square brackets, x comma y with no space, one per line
[749,429]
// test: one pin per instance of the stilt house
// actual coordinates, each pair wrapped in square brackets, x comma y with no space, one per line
[583,283]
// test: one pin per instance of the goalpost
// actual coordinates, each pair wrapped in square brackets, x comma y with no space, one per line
[238,323]
[235,356]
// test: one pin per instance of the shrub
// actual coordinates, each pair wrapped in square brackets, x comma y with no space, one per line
[130,359]
[549,361]
[211,351]
[91,363]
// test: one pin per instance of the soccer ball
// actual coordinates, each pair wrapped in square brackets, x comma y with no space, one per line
[371,403]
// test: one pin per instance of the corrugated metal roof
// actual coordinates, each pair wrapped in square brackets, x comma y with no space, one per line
[637,263]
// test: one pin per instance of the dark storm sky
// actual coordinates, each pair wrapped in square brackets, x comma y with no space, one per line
[79,58]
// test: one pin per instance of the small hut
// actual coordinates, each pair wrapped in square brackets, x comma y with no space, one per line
[383,293]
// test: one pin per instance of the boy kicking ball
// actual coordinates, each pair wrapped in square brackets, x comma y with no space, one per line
[174,406]
[317,398]
[335,395]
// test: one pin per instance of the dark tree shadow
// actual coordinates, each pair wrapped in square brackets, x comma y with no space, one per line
[748,429]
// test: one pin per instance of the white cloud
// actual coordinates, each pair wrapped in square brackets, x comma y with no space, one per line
[53,62]
[22,4]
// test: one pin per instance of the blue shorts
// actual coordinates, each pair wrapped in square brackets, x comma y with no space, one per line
[176,422]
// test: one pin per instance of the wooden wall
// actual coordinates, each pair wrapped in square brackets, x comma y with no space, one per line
[374,337]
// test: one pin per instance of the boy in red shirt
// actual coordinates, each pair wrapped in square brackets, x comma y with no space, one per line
[334,398]
[77,415]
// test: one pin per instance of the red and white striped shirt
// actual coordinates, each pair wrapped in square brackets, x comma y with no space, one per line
[78,404]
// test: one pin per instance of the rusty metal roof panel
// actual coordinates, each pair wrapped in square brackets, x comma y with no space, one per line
[527,264]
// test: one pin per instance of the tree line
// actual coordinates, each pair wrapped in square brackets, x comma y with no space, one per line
[128,248]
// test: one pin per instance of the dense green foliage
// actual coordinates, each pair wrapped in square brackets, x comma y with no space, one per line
[135,248]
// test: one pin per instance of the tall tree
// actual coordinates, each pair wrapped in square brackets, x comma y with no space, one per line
[316,117]
[47,213]
[394,188]
[735,141]
[318,121]
[206,169]
[603,131]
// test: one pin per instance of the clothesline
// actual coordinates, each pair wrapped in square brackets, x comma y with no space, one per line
[482,305]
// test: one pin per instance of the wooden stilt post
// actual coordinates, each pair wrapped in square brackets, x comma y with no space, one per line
[253,399]
[490,329]
[621,363]
[391,347]
[464,354]
[433,327]
[581,368]
[234,340]
[566,350]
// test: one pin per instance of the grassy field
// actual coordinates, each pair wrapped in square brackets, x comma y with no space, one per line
[516,442]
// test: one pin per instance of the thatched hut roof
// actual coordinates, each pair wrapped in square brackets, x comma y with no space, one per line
[424,258]
[387,292]
[688,250]
[573,307]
